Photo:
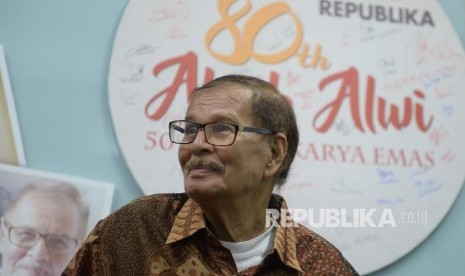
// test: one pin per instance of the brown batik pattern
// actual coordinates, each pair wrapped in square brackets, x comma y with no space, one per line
[166,234]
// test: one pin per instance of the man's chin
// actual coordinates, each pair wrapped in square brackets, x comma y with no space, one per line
[202,188]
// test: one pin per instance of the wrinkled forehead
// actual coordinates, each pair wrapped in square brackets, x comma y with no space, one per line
[225,88]
[222,98]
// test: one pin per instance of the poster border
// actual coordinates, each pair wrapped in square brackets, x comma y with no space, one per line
[10,104]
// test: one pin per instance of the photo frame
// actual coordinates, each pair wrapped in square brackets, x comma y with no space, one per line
[11,147]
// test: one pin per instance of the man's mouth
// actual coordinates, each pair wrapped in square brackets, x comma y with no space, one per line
[202,166]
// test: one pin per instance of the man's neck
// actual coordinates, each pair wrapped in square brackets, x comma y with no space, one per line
[237,219]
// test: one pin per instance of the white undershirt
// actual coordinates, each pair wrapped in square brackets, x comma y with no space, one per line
[252,252]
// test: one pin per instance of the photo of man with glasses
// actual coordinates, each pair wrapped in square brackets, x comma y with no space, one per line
[41,228]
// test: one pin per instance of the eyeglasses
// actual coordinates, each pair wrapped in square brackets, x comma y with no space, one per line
[27,238]
[216,133]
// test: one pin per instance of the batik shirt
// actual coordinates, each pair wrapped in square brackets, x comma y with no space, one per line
[166,234]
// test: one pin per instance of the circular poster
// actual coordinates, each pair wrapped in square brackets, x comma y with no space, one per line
[376,87]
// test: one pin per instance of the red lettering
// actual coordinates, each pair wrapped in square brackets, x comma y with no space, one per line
[349,88]
[343,151]
[378,156]
[311,151]
[388,115]
[403,158]
[369,106]
[358,154]
[158,105]
[430,159]
[419,113]
[154,141]
[187,73]
[331,153]
[416,160]
[328,153]
[396,157]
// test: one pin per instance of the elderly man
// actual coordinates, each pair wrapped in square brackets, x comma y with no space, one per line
[41,229]
[237,141]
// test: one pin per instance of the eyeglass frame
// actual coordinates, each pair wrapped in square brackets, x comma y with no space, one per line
[237,129]
[9,227]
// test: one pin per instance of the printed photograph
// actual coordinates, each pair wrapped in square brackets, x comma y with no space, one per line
[45,217]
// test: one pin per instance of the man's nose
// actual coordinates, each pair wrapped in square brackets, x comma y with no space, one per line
[200,143]
[200,137]
[39,251]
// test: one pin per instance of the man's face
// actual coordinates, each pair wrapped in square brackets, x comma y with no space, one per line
[223,171]
[46,216]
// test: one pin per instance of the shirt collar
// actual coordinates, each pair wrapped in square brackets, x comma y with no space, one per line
[190,219]
[285,242]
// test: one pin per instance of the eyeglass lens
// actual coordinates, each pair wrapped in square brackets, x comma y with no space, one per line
[28,238]
[217,133]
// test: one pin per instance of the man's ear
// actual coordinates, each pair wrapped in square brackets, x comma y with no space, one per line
[278,153]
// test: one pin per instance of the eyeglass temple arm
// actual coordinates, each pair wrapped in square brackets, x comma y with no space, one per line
[178,128]
[257,130]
